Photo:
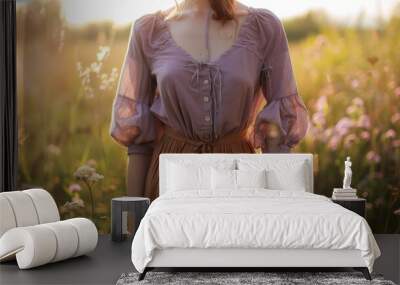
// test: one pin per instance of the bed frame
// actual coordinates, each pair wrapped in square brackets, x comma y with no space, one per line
[245,259]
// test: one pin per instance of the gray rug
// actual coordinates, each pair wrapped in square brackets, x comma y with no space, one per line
[243,278]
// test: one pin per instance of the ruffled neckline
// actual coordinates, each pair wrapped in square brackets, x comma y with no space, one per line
[242,37]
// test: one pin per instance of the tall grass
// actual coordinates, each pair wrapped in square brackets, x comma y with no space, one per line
[349,79]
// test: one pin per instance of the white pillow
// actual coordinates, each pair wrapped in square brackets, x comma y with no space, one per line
[251,178]
[281,174]
[292,181]
[222,163]
[184,174]
[181,177]
[236,179]
[223,179]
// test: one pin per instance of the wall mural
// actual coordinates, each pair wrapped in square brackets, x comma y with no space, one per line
[348,76]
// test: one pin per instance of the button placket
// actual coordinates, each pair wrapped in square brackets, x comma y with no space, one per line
[203,75]
[206,96]
[206,93]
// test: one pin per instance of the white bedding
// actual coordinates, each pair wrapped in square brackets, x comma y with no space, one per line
[250,218]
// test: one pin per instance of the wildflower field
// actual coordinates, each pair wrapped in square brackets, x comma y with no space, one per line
[349,78]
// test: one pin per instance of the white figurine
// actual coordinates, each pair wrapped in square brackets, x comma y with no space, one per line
[347,174]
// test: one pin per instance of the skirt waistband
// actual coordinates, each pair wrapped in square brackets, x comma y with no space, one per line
[233,137]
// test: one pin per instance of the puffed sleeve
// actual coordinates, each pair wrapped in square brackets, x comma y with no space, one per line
[132,124]
[285,109]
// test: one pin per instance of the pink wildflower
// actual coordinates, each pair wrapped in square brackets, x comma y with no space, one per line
[390,134]
[364,122]
[358,102]
[365,135]
[395,118]
[343,126]
[397,92]
[73,188]
[349,140]
[333,142]
[372,156]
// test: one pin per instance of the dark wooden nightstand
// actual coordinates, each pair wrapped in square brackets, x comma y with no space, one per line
[355,205]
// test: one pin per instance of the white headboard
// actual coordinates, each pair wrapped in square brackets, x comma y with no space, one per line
[165,157]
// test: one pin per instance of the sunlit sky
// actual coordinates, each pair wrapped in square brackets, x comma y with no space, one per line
[123,11]
[79,12]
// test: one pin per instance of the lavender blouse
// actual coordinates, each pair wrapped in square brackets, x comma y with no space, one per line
[206,100]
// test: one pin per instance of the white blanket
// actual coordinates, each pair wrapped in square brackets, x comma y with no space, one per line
[251,218]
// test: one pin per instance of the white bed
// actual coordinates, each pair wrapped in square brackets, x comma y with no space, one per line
[249,227]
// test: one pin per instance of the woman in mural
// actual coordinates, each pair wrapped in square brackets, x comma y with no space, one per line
[193,78]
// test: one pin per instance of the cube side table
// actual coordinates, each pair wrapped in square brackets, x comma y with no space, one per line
[134,205]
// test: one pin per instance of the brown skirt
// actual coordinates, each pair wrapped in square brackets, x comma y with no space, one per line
[173,142]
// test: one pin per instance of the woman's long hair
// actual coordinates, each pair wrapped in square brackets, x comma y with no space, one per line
[223,9]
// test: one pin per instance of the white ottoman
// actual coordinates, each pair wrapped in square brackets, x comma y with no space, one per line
[31,232]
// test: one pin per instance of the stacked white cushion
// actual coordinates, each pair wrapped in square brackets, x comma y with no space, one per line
[45,243]
[66,236]
[32,246]
[281,174]
[31,232]
[45,206]
[87,235]
[23,209]
[7,219]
